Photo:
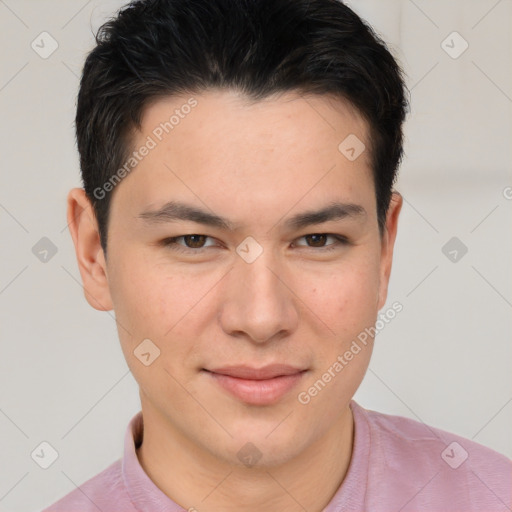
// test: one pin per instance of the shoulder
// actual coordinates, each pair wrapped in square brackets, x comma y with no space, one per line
[434,466]
[408,435]
[101,492]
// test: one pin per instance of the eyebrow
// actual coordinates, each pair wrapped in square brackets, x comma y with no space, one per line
[174,211]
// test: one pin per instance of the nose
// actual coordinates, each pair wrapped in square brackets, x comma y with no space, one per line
[259,302]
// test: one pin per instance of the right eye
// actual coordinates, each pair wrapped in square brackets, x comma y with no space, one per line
[192,243]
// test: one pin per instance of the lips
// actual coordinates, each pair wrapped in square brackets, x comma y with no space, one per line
[257,386]
[247,372]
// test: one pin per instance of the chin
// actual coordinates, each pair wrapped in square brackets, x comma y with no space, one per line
[271,442]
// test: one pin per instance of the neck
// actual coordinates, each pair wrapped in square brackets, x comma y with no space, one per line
[199,481]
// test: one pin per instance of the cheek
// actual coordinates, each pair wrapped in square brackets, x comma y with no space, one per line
[153,303]
[172,308]
[141,296]
[346,298]
[148,295]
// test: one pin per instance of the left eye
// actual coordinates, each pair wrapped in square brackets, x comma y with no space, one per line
[195,243]
[319,238]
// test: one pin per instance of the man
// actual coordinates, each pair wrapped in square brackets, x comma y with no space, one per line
[238,215]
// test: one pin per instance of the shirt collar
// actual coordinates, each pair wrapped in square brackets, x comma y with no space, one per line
[145,495]
[351,494]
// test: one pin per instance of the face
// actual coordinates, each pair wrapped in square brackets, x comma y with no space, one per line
[253,305]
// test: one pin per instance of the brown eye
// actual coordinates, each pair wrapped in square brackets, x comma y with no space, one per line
[318,240]
[191,243]
[194,241]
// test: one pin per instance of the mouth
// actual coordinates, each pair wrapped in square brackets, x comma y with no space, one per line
[257,386]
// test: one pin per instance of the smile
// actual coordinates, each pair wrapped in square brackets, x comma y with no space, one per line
[264,386]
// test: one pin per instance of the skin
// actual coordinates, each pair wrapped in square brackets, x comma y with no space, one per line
[256,164]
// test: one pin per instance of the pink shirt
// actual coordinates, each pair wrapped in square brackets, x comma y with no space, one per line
[397,464]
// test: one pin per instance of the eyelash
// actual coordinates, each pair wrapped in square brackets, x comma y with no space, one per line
[171,243]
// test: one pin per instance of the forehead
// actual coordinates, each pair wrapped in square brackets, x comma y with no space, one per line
[219,144]
[278,122]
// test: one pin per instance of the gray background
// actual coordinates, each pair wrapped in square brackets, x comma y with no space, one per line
[444,360]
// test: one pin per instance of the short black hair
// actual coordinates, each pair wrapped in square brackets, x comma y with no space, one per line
[160,48]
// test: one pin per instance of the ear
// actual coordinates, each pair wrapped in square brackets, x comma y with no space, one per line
[387,245]
[89,253]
